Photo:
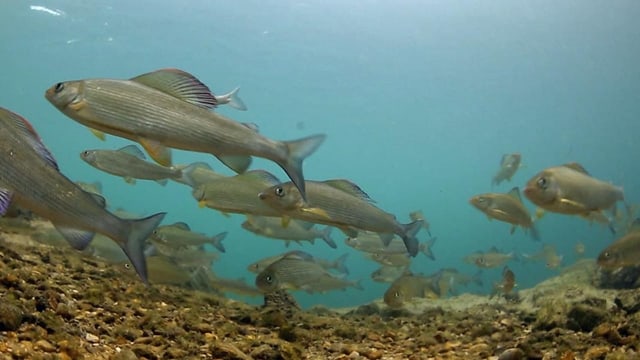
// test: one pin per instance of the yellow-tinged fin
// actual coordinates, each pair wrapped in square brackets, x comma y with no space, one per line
[317,212]
[284,221]
[129,180]
[202,203]
[99,134]
[515,193]
[239,164]
[573,204]
[577,167]
[158,152]
[179,84]
[350,188]
[539,213]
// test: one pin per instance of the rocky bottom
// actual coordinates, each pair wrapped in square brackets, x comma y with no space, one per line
[56,303]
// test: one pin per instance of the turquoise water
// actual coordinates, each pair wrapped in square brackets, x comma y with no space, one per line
[419,100]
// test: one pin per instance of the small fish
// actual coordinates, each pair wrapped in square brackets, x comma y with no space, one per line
[232,99]
[509,164]
[506,286]
[548,254]
[201,173]
[342,204]
[624,252]
[170,108]
[337,264]
[419,216]
[237,194]
[104,248]
[236,286]
[490,259]
[163,270]
[407,287]
[569,189]
[506,207]
[448,278]
[388,274]
[130,163]
[297,231]
[180,234]
[390,259]
[370,242]
[579,249]
[30,178]
[299,271]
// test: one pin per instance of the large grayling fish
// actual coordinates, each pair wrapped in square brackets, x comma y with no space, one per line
[29,178]
[171,108]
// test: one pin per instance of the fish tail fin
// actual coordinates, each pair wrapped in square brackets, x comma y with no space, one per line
[185,174]
[326,236]
[340,264]
[216,241]
[533,231]
[140,230]
[235,101]
[409,236]
[477,278]
[425,248]
[297,151]
[358,284]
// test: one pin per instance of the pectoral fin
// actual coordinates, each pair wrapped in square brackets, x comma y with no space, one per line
[99,134]
[317,212]
[158,152]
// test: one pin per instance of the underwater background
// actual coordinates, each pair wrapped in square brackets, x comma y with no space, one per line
[419,99]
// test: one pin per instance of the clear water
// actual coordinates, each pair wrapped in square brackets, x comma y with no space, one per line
[419,100]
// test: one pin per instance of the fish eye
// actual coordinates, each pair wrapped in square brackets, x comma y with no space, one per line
[480,261]
[59,87]
[542,183]
[127,266]
[279,191]
[269,279]
[606,254]
[396,294]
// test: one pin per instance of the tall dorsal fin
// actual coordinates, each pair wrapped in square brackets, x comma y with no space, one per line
[515,193]
[350,188]
[577,167]
[261,175]
[179,84]
[26,129]
[133,150]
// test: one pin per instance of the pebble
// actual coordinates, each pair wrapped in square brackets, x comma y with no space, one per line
[45,346]
[91,338]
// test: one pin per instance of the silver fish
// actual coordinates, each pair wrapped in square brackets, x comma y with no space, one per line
[30,178]
[171,108]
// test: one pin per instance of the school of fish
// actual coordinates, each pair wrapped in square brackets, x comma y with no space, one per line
[171,109]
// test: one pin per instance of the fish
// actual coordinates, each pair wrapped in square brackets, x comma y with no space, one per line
[447,279]
[342,204]
[407,287]
[370,242]
[509,164]
[180,234]
[163,270]
[237,194]
[170,108]
[506,285]
[508,208]
[490,259]
[271,227]
[201,173]
[569,189]
[579,249]
[388,274]
[547,254]
[236,286]
[31,179]
[130,163]
[623,252]
[418,215]
[403,259]
[338,264]
[232,99]
[299,271]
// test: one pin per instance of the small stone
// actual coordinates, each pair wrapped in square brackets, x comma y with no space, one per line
[91,338]
[596,352]
[480,349]
[11,316]
[512,354]
[45,346]
[124,354]
[374,354]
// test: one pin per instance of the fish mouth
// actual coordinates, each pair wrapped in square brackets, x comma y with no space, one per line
[262,196]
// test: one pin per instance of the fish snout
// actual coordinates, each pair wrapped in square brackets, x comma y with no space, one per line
[262,195]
